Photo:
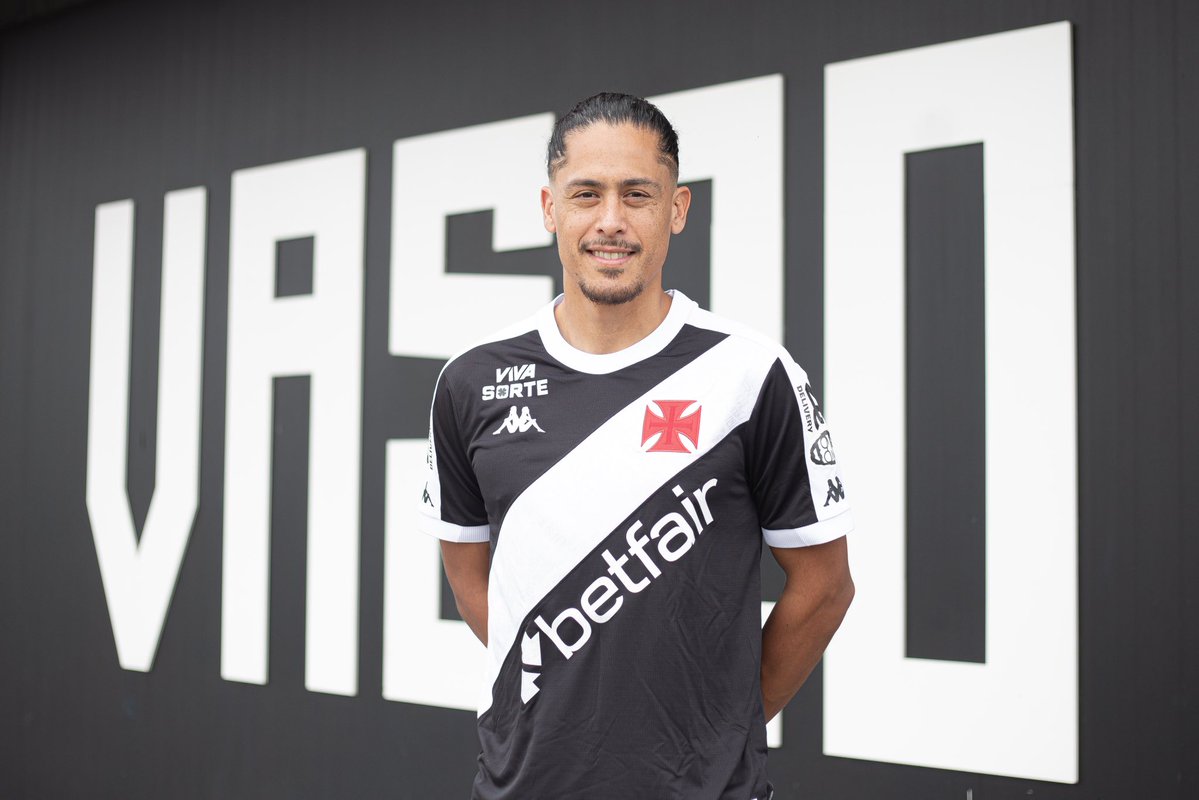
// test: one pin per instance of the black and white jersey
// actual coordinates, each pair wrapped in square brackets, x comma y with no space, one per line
[626,497]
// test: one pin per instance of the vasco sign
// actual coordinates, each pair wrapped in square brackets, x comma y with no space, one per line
[1009,91]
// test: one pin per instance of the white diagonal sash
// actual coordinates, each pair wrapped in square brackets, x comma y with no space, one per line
[563,515]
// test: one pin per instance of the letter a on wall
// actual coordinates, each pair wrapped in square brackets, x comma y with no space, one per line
[1017,713]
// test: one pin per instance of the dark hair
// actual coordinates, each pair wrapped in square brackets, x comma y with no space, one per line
[614,108]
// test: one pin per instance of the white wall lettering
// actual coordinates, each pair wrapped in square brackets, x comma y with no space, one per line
[139,577]
[499,166]
[426,659]
[1017,714]
[318,335]
[774,728]
[732,134]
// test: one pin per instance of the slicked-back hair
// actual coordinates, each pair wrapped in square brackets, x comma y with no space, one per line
[614,108]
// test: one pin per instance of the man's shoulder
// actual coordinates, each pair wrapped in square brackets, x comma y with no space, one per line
[748,338]
[498,343]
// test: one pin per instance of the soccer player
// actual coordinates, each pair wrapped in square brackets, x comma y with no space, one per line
[602,476]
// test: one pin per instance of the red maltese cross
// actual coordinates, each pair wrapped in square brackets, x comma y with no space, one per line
[675,432]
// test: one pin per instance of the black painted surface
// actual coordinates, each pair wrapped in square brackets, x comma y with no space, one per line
[132,99]
[293,266]
[945,557]
[291,402]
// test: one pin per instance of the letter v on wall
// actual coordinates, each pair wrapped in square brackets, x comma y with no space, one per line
[139,576]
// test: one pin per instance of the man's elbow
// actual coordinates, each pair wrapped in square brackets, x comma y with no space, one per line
[467,603]
[846,593]
[463,610]
[838,598]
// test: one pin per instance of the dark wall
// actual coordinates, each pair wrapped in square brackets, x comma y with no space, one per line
[117,100]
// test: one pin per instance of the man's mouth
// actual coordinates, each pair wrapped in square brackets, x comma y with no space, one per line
[610,255]
[613,254]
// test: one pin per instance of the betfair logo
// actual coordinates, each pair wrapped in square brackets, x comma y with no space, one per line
[634,570]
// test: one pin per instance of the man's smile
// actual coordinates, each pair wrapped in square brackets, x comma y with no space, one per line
[614,254]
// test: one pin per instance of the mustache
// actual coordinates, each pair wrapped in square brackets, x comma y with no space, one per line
[616,243]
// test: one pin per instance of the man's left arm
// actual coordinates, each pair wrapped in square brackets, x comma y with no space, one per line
[815,598]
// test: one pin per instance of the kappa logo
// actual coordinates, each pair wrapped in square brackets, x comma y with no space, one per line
[671,426]
[822,451]
[517,423]
[428,498]
[836,492]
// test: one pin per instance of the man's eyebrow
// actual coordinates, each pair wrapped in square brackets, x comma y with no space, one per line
[591,183]
[641,182]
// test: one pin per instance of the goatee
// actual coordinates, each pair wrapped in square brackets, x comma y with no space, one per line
[611,295]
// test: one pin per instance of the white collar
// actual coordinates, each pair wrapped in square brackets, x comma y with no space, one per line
[681,307]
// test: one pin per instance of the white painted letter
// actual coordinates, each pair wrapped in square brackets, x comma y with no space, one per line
[426,659]
[139,577]
[500,166]
[732,134]
[318,335]
[1017,714]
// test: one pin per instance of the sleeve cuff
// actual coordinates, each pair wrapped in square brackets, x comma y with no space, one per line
[449,532]
[820,532]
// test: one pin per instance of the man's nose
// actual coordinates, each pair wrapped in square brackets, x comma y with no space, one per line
[612,217]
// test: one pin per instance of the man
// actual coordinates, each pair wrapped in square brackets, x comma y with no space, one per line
[602,476]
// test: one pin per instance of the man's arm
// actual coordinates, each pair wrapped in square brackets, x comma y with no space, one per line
[815,598]
[467,565]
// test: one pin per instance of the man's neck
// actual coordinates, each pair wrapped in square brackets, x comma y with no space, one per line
[599,328]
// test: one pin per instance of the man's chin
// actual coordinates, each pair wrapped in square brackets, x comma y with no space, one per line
[611,295]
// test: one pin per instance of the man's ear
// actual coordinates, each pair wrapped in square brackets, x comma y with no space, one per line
[547,209]
[681,202]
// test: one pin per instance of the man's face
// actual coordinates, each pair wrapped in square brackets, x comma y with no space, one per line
[613,205]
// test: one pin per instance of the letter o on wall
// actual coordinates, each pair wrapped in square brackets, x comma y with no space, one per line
[1011,92]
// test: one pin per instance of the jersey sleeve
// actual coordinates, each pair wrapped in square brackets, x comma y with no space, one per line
[792,466]
[451,504]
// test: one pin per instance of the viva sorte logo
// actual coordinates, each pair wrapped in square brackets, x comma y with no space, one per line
[519,380]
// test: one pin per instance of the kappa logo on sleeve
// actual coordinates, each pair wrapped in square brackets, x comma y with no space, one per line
[671,426]
[836,492]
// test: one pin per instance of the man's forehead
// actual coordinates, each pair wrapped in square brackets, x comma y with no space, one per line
[612,149]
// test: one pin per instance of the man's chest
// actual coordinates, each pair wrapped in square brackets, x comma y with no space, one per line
[536,418]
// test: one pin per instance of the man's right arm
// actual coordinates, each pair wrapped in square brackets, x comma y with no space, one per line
[467,565]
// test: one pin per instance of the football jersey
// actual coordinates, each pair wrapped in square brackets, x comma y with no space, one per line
[626,497]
